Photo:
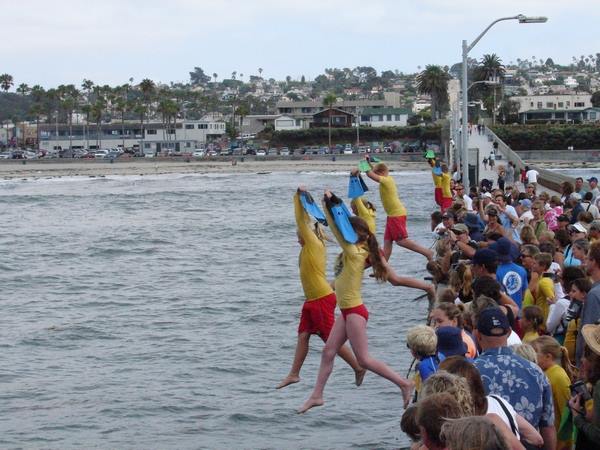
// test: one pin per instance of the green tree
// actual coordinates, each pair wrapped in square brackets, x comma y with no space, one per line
[434,81]
[329,101]
[6,82]
[198,77]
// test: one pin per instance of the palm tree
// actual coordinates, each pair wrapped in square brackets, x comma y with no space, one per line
[148,89]
[329,101]
[215,77]
[434,82]
[260,71]
[23,89]
[6,82]
[37,94]
[490,68]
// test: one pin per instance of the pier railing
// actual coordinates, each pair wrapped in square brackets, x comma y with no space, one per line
[548,179]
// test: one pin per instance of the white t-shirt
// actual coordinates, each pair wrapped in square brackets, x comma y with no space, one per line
[493,407]
[555,314]
[468,202]
[513,339]
[532,175]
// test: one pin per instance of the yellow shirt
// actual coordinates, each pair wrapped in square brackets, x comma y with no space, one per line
[313,257]
[545,290]
[446,191]
[559,382]
[348,283]
[437,180]
[365,213]
[389,197]
[530,336]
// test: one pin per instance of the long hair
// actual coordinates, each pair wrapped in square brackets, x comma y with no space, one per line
[365,235]
[472,432]
[458,365]
[549,345]
[535,315]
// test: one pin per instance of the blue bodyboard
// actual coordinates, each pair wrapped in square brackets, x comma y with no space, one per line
[311,207]
[341,216]
[356,186]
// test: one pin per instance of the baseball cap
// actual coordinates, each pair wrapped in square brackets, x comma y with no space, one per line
[493,322]
[503,248]
[460,228]
[448,215]
[526,203]
[485,256]
[578,228]
[592,179]
[471,221]
[575,196]
[487,194]
[450,342]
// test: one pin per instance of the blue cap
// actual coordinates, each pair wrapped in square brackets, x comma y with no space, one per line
[485,256]
[503,248]
[525,202]
[493,322]
[450,342]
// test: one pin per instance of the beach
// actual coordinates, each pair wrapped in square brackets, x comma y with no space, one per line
[54,168]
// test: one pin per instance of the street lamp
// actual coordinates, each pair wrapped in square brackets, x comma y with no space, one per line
[465,96]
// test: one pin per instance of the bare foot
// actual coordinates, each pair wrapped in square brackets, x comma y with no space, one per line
[407,392]
[310,403]
[359,376]
[290,379]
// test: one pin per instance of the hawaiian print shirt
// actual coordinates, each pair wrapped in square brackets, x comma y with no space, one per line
[520,382]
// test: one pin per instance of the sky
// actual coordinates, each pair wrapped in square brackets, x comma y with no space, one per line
[111,41]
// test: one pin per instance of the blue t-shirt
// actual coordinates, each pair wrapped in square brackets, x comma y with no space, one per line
[518,381]
[514,280]
[427,367]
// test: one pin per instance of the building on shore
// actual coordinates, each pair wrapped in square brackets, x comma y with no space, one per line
[152,137]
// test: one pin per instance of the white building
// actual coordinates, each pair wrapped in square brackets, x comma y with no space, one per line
[563,102]
[287,123]
[384,117]
[571,83]
[154,137]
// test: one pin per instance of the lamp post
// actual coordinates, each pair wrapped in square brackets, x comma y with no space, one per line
[466,48]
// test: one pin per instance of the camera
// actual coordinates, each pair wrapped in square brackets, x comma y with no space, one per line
[579,387]
[574,310]
[552,276]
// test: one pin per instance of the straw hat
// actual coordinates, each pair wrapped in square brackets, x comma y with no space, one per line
[591,336]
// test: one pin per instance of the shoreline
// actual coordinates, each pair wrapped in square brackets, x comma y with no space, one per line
[56,168]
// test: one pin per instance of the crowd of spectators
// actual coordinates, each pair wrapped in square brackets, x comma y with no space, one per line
[510,357]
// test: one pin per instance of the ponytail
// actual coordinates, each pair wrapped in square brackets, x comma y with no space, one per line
[375,258]
[549,345]
[565,363]
[365,235]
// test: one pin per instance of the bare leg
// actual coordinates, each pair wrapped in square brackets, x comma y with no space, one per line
[412,245]
[397,280]
[356,329]
[346,354]
[299,357]
[388,246]
[336,339]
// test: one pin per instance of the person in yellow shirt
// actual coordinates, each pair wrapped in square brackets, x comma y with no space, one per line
[437,183]
[532,323]
[549,353]
[541,287]
[367,211]
[352,324]
[446,180]
[317,315]
[395,227]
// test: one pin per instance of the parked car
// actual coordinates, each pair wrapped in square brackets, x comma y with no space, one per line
[198,153]
[5,155]
[284,151]
[148,155]
[347,151]
[261,152]
[100,153]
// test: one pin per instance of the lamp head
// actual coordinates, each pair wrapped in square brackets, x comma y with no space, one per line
[531,19]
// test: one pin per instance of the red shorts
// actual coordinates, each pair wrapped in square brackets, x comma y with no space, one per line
[395,229]
[437,193]
[361,310]
[318,316]
[446,203]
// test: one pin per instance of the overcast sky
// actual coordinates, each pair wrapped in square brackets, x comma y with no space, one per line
[109,41]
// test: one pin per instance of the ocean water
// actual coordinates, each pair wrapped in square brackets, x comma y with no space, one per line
[161,311]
